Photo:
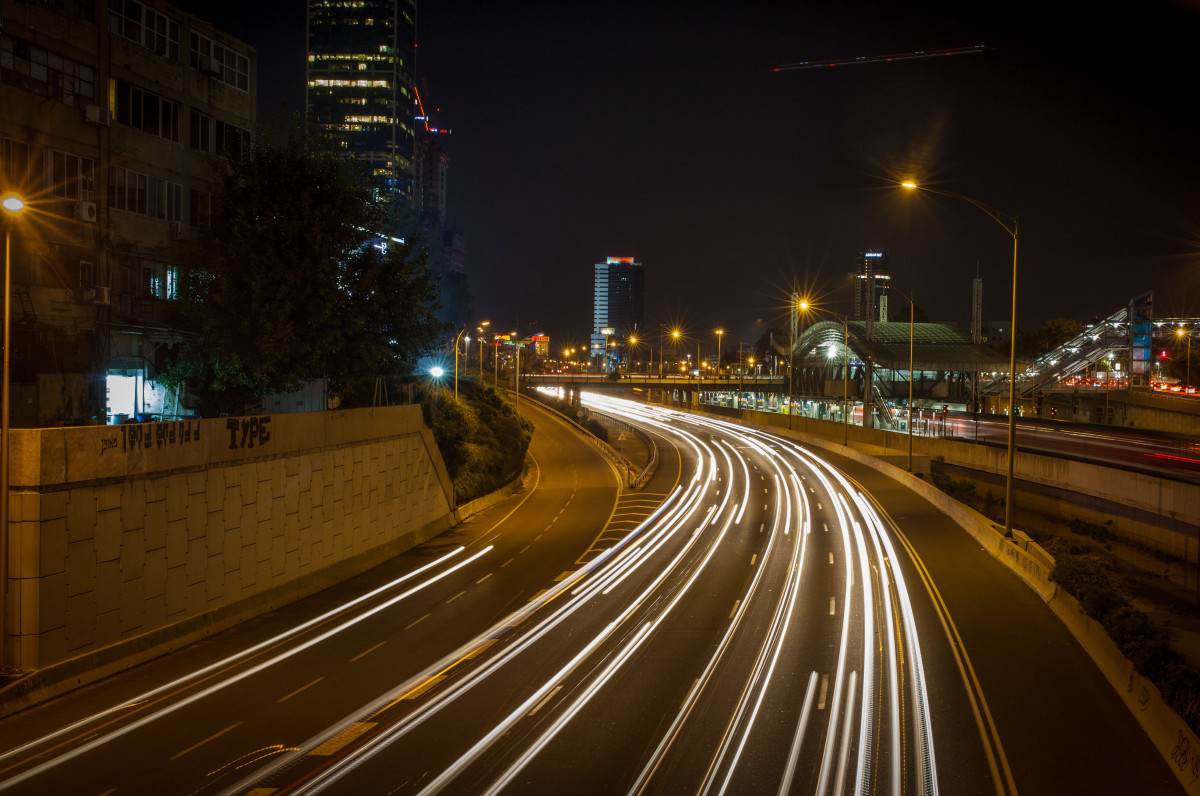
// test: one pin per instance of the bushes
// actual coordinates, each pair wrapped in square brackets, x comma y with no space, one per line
[962,491]
[1146,644]
[481,437]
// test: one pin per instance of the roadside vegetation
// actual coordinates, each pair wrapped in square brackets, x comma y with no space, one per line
[594,426]
[481,437]
[1087,569]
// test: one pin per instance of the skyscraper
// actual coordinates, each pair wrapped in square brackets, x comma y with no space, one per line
[360,84]
[618,303]
[870,280]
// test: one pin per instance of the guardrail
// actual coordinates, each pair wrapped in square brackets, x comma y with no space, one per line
[618,461]
[652,465]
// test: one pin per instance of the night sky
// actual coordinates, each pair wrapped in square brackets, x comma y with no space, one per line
[660,131]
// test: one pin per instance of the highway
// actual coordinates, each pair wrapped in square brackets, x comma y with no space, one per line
[753,621]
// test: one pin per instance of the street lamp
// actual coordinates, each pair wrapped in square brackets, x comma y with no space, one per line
[800,305]
[1179,332]
[13,205]
[720,334]
[456,339]
[1011,226]
[479,329]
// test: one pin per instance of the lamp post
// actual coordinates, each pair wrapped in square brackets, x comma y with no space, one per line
[846,384]
[633,341]
[457,337]
[720,334]
[480,330]
[798,305]
[1179,332]
[13,206]
[1012,227]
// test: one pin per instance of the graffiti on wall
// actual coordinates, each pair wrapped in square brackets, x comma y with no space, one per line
[143,436]
[246,432]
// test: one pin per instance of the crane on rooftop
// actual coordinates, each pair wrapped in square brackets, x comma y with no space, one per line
[876,59]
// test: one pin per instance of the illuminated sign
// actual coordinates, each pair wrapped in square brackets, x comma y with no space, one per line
[608,330]
[873,254]
[614,260]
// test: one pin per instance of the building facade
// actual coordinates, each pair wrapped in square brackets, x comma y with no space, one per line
[360,86]
[618,306]
[118,117]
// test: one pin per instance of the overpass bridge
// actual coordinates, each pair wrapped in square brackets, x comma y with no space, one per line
[627,381]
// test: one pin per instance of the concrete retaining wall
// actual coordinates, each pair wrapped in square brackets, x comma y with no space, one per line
[118,533]
[1157,512]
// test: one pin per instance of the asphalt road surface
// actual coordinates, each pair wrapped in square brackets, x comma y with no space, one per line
[757,619]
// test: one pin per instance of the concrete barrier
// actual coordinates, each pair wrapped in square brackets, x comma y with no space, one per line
[1170,734]
[128,541]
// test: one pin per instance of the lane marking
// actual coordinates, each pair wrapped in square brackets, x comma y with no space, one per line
[523,549]
[736,603]
[545,699]
[410,627]
[832,605]
[761,526]
[824,691]
[298,690]
[506,563]
[367,652]
[455,597]
[342,738]
[485,577]
[831,558]
[206,740]
[753,558]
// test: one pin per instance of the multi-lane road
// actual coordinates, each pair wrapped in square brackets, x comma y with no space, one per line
[757,619]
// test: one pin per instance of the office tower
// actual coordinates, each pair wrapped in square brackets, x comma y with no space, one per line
[618,305]
[870,280]
[360,85]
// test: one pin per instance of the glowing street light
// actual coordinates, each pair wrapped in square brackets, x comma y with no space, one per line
[1012,227]
[13,205]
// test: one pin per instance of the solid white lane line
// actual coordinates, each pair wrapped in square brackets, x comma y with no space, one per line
[824,692]
[364,653]
[206,740]
[411,626]
[298,690]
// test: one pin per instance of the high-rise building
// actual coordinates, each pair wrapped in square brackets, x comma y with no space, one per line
[360,84]
[118,118]
[870,280]
[618,305]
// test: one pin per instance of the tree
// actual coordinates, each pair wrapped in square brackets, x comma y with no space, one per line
[294,281]
[1057,331]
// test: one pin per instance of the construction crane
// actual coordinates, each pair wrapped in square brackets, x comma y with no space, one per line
[876,59]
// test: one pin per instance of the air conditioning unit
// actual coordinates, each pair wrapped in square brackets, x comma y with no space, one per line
[100,116]
[96,295]
[86,211]
[206,64]
[174,230]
